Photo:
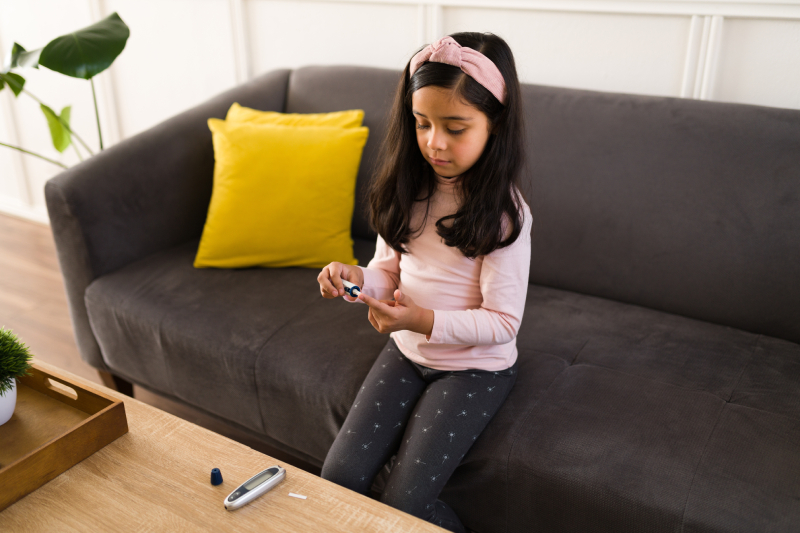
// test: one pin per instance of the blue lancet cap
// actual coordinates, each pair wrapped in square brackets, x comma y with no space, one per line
[216,476]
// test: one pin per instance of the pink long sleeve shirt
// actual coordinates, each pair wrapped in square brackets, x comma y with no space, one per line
[477,304]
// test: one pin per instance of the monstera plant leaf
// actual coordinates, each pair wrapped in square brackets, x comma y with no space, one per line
[87,52]
[60,134]
[80,54]
[19,57]
[14,81]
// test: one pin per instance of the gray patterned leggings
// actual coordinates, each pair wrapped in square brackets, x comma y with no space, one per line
[428,418]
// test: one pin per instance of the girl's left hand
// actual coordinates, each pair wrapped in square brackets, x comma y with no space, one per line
[401,314]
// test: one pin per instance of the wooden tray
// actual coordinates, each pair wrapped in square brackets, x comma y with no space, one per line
[56,425]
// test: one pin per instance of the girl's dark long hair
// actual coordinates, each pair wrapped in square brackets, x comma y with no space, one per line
[489,190]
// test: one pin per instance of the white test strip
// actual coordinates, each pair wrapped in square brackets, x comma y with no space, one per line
[293,495]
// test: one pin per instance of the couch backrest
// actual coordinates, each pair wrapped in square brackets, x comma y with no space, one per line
[685,206]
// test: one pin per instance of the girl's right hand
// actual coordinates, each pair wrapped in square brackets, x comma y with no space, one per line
[330,280]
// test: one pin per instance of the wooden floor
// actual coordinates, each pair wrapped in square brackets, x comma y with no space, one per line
[33,304]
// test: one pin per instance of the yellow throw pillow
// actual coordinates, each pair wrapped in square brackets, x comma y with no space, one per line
[342,119]
[282,195]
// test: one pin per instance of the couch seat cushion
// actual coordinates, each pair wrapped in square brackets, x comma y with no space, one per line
[197,334]
[629,419]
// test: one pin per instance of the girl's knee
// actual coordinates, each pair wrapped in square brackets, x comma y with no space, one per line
[348,470]
[330,472]
[338,470]
[434,511]
[343,478]
[404,499]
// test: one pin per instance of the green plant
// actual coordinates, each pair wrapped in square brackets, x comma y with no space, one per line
[80,54]
[14,360]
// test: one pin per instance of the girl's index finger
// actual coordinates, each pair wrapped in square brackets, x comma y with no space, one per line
[372,302]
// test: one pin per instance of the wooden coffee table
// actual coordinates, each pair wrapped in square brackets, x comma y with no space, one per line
[157,478]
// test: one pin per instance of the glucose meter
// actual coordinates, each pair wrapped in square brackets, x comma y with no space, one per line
[254,487]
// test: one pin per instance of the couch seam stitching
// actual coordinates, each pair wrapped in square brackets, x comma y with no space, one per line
[688,390]
[167,367]
[745,367]
[575,357]
[699,463]
[666,383]
[516,436]
[258,358]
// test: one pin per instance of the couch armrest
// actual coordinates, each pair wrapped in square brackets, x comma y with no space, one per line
[146,194]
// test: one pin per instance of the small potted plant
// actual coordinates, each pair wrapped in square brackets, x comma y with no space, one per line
[14,363]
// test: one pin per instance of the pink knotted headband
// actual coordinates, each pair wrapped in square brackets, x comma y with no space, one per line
[473,63]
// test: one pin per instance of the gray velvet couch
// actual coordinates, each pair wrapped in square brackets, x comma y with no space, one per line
[659,382]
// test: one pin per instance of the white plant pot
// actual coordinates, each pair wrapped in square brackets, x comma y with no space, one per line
[8,403]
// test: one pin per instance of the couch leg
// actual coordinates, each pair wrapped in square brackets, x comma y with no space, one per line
[116,383]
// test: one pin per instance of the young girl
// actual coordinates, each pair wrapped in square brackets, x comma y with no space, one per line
[453,251]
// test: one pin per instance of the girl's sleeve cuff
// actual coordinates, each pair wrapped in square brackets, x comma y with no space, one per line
[438,330]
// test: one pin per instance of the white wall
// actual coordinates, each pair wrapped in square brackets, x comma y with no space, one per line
[182,52]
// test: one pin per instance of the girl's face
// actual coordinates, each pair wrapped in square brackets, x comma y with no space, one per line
[451,134]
